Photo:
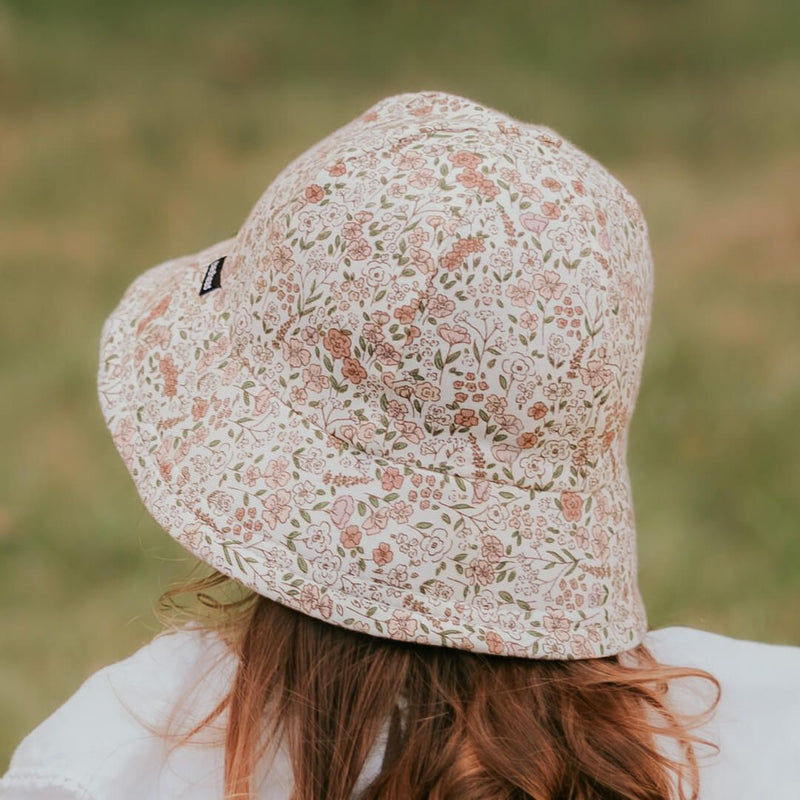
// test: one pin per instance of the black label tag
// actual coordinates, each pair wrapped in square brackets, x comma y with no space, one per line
[212,277]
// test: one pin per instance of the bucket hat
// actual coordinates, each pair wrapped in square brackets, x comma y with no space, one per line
[398,399]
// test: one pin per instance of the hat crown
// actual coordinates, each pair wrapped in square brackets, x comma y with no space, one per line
[439,285]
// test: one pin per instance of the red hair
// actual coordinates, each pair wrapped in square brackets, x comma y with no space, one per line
[475,726]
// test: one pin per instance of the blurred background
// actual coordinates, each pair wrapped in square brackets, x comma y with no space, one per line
[135,132]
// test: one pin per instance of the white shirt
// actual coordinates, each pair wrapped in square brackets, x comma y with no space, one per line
[97,746]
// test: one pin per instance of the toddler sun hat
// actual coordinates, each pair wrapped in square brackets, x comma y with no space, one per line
[398,400]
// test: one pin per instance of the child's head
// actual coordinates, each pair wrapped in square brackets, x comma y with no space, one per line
[397,402]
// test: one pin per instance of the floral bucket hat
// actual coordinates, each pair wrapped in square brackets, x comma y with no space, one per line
[398,399]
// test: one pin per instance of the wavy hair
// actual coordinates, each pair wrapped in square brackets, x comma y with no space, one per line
[474,726]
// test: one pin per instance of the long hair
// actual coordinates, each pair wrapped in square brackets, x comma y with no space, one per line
[473,727]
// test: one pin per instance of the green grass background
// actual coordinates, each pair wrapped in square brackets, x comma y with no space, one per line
[134,132]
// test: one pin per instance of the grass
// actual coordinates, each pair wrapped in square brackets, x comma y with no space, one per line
[134,133]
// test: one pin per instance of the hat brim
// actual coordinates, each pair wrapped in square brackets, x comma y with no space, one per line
[248,485]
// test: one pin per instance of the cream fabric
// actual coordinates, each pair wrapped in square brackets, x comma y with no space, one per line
[95,747]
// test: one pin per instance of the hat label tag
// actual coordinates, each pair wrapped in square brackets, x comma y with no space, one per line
[212,277]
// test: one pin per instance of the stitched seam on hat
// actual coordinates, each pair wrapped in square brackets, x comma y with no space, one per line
[421,468]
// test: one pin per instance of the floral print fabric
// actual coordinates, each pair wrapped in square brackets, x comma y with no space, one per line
[405,410]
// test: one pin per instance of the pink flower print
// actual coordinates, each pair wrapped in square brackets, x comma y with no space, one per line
[458,253]
[408,161]
[353,371]
[427,392]
[405,314]
[488,188]
[314,379]
[298,395]
[582,538]
[421,178]
[556,623]
[556,450]
[314,193]
[495,642]
[276,473]
[596,374]
[341,510]
[337,343]
[418,237]
[252,475]
[465,158]
[453,334]
[521,294]
[282,259]
[466,418]
[157,310]
[391,479]
[246,523]
[382,554]
[434,220]
[309,598]
[386,353]
[359,249]
[170,374]
[277,508]
[220,501]
[410,431]
[551,183]
[507,453]
[351,230]
[561,239]
[549,285]
[199,408]
[537,410]
[401,625]
[376,521]
[158,336]
[601,509]
[440,306]
[534,222]
[571,506]
[492,548]
[600,542]
[337,169]
[481,491]
[495,404]
[527,440]
[529,190]
[295,353]
[350,537]
[372,332]
[262,401]
[422,260]
[551,210]
[470,178]
[326,606]
[481,571]
[124,438]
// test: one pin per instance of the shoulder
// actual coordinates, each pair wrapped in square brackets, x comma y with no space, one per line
[741,664]
[757,722]
[104,736]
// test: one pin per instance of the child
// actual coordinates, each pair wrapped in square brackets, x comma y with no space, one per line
[394,411]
